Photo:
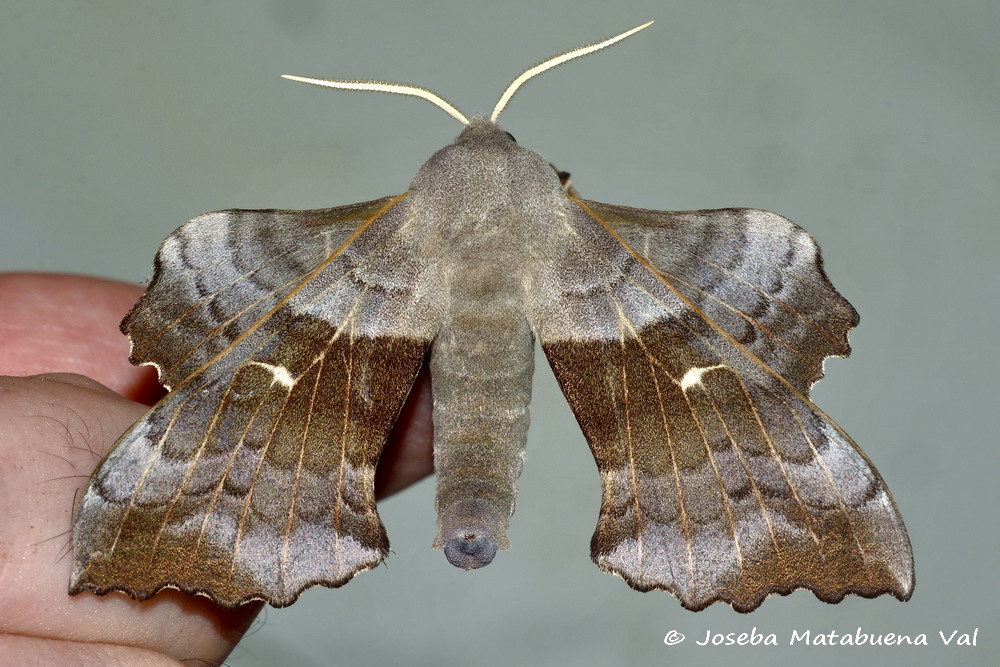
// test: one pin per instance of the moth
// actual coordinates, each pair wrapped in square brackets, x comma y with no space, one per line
[685,342]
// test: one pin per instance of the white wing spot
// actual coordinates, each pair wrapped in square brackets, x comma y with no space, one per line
[693,376]
[280,374]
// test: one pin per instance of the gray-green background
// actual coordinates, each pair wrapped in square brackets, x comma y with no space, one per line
[875,125]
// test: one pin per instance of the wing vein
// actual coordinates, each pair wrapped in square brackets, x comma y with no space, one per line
[758,494]
[681,498]
[297,478]
[726,502]
[217,492]
[841,502]
[191,467]
[754,321]
[337,518]
[779,460]
[145,475]
[251,328]
[781,302]
[630,443]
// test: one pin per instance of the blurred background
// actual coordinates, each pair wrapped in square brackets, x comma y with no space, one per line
[873,124]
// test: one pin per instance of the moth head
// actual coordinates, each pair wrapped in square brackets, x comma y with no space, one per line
[448,107]
[484,133]
[483,175]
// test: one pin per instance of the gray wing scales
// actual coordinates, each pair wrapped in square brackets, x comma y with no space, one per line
[221,272]
[754,273]
[721,480]
[254,478]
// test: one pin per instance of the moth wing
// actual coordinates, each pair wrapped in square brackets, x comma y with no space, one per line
[687,364]
[757,275]
[290,340]
[219,274]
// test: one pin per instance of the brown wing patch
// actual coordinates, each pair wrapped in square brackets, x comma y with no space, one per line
[276,495]
[254,478]
[724,490]
[721,481]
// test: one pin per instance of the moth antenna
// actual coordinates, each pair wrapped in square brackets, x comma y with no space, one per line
[578,52]
[387,87]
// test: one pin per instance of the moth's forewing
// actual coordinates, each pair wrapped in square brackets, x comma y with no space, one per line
[686,344]
[290,340]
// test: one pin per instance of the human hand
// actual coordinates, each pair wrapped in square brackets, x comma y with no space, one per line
[55,426]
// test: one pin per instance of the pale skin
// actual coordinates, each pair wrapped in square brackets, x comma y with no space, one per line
[67,391]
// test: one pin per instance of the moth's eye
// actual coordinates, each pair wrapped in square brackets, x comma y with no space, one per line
[511,137]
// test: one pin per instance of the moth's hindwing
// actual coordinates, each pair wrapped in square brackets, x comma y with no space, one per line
[686,344]
[290,340]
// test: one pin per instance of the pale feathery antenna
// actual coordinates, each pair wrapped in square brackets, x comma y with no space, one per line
[448,107]
[554,61]
[387,87]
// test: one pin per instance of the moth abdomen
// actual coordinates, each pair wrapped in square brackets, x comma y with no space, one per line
[481,367]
